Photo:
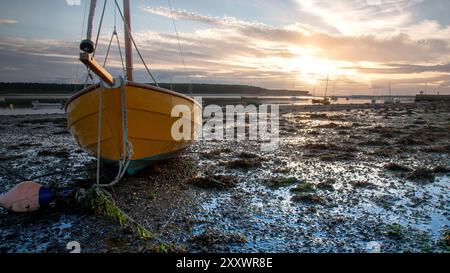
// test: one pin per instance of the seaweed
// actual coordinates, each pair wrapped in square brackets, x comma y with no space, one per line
[278,182]
[395,231]
[99,201]
[304,187]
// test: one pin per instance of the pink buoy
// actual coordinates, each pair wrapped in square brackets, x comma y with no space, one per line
[26,197]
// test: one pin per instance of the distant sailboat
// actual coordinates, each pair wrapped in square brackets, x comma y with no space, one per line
[333,97]
[120,120]
[325,100]
[389,100]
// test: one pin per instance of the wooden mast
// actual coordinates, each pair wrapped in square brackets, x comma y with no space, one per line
[87,48]
[90,24]
[128,43]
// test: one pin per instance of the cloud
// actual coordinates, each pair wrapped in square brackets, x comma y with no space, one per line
[7,22]
[227,21]
[231,50]
[368,47]
[405,69]
[73,2]
[356,17]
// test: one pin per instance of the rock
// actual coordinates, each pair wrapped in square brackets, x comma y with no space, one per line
[396,167]
[327,185]
[308,198]
[362,184]
[421,175]
[437,149]
[244,164]
[441,170]
[246,155]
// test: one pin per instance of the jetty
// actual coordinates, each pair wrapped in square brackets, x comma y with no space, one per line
[432,98]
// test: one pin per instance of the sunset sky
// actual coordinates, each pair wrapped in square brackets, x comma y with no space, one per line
[360,44]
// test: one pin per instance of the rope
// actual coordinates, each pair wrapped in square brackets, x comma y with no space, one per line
[179,47]
[100,27]
[99,131]
[118,45]
[89,75]
[107,51]
[128,32]
[84,19]
[120,54]
[127,152]
[77,72]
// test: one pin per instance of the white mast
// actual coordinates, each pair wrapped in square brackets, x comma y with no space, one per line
[128,42]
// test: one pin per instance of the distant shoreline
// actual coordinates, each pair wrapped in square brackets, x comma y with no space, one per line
[195,88]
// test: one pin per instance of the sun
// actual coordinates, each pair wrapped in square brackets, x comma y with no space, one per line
[313,70]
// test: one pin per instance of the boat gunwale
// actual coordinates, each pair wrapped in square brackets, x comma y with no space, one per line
[130,83]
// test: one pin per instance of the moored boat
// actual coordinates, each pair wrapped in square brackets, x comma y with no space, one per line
[119,118]
[46,105]
[325,100]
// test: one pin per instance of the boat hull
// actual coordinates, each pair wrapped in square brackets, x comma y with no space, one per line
[149,122]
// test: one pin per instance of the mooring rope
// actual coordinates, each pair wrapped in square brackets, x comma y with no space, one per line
[99,131]
[127,147]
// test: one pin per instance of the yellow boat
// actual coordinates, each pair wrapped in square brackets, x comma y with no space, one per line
[149,122]
[146,108]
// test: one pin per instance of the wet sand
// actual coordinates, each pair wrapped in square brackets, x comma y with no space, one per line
[346,178]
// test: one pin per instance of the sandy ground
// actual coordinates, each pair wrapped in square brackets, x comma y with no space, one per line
[345,179]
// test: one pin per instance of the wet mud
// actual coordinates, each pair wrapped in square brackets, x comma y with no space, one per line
[371,178]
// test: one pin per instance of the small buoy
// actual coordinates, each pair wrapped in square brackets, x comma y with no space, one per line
[26,197]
